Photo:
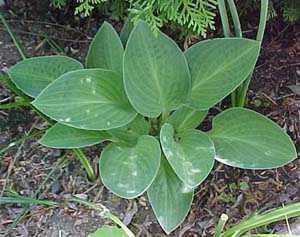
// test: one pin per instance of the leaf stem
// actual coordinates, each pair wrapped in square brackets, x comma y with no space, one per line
[164,118]
[224,18]
[221,225]
[238,33]
[227,33]
[85,163]
[235,18]
[6,80]
[15,104]
[261,29]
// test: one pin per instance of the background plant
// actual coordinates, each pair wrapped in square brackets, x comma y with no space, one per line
[258,220]
[191,15]
[288,9]
[238,97]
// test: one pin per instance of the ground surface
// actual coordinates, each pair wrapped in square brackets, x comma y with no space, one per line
[274,91]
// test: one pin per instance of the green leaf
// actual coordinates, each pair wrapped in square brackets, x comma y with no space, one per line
[129,171]
[170,198]
[106,50]
[126,30]
[65,137]
[108,231]
[191,154]
[92,99]
[218,67]
[34,74]
[156,75]
[132,131]
[186,118]
[246,139]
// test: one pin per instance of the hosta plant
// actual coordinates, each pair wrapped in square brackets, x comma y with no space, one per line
[146,99]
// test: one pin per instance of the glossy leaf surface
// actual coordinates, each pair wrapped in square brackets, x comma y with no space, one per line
[156,74]
[129,171]
[217,67]
[106,50]
[65,137]
[170,198]
[191,154]
[92,99]
[246,139]
[132,131]
[34,74]
[186,118]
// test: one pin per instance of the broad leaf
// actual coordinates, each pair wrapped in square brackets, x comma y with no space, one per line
[106,50]
[170,198]
[34,74]
[92,99]
[191,154]
[186,118]
[108,231]
[156,74]
[126,30]
[132,131]
[246,139]
[62,136]
[129,171]
[218,67]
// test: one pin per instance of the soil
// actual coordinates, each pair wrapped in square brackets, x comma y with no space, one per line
[274,92]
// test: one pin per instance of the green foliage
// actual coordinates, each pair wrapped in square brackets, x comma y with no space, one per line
[191,15]
[42,70]
[196,16]
[87,6]
[262,220]
[258,220]
[58,3]
[289,9]
[156,100]
[242,186]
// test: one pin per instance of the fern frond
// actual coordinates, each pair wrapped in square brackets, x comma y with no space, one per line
[196,15]
[58,3]
[87,6]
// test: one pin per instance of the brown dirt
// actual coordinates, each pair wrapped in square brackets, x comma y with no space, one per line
[29,163]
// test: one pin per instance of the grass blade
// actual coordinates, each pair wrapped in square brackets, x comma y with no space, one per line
[11,34]
[37,194]
[26,200]
[20,140]
[264,219]
[106,211]
[15,104]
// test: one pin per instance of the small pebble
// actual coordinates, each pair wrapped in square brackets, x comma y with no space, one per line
[56,187]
